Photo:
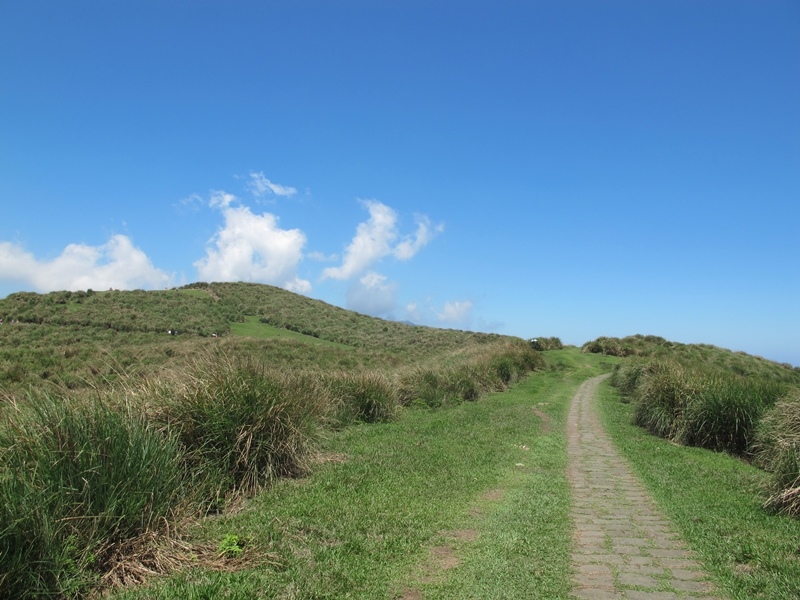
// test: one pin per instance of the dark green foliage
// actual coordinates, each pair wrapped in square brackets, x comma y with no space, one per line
[725,409]
[546,343]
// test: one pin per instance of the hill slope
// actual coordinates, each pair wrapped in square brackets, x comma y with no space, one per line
[78,338]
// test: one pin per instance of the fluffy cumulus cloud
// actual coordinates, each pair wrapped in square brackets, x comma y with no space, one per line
[116,264]
[372,294]
[376,238]
[252,247]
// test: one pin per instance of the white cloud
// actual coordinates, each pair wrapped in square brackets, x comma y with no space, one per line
[411,245]
[321,257]
[261,186]
[221,199]
[456,312]
[251,247]
[116,264]
[374,239]
[373,295]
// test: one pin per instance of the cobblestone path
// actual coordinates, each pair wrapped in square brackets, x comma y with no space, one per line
[623,548]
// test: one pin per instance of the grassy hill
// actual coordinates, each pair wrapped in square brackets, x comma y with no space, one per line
[77,339]
[709,397]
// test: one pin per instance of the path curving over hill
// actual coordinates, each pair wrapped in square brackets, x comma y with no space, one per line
[624,547]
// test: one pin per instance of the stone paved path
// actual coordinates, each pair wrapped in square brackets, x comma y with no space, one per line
[624,548]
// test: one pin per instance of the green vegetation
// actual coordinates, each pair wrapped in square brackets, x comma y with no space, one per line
[118,438]
[546,343]
[139,428]
[467,502]
[716,502]
[78,479]
[777,448]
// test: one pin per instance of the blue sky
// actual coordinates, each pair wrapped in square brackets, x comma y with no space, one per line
[559,168]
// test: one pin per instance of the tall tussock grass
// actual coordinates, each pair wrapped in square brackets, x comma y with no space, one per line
[236,415]
[366,396]
[778,451]
[473,374]
[77,477]
[696,406]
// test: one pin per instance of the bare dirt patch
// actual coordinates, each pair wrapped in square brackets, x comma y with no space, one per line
[547,425]
[493,495]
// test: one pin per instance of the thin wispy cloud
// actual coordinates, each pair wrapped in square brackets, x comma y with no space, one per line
[456,312]
[374,240]
[413,244]
[116,264]
[260,186]
[252,247]
[322,257]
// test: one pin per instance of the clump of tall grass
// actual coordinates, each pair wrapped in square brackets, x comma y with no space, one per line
[662,393]
[366,396]
[778,451]
[704,407]
[78,477]
[725,410]
[250,422]
[627,375]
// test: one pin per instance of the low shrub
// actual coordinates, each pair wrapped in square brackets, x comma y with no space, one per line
[546,343]
[76,479]
[777,448]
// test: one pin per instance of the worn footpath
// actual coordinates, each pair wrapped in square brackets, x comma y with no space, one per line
[623,548]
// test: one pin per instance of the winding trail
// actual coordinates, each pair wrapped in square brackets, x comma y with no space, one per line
[624,547]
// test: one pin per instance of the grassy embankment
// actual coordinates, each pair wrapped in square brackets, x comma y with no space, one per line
[114,433]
